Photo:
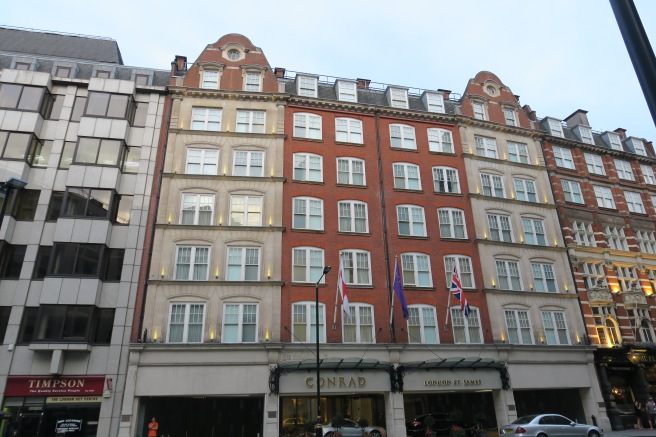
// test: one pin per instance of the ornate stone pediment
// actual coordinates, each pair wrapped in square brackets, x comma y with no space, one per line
[600,295]
[637,297]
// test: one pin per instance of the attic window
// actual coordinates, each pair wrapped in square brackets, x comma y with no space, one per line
[103,74]
[491,90]
[63,71]
[233,54]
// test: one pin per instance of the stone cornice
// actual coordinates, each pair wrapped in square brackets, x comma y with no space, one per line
[486,241]
[511,201]
[226,133]
[572,144]
[227,94]
[225,177]
[173,226]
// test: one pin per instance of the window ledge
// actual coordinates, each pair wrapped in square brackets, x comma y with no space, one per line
[310,231]
[314,140]
[351,186]
[364,234]
[300,181]
[77,347]
[348,143]
[403,149]
[408,190]
[414,237]
[455,239]
[435,152]
[445,193]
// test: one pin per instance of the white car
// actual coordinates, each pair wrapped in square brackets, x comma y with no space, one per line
[350,428]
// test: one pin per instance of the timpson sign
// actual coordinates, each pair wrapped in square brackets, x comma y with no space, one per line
[47,386]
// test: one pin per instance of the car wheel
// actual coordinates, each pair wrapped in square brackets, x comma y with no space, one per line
[374,434]
[541,435]
[593,433]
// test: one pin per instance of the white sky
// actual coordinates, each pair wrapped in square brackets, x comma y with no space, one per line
[558,55]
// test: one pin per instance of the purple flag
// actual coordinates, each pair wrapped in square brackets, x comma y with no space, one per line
[398,289]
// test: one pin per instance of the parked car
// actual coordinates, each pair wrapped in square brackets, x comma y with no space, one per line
[350,428]
[441,425]
[549,425]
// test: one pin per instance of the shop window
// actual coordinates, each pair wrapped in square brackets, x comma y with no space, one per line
[11,260]
[110,106]
[304,322]
[67,323]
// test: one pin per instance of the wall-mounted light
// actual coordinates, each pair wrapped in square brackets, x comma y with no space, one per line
[212,335]
[494,284]
[216,274]
[266,335]
[163,272]
[155,333]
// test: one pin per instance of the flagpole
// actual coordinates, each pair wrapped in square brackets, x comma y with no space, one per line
[448,301]
[339,275]
[391,317]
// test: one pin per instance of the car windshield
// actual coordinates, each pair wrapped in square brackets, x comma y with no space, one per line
[524,420]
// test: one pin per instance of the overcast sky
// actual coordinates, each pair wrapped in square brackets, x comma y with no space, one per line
[557,55]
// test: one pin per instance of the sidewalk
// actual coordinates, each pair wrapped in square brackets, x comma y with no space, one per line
[631,433]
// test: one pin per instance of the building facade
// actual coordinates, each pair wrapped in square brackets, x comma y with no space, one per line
[81,130]
[605,192]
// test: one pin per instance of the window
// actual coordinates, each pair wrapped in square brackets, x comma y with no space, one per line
[358,325]
[585,134]
[15,145]
[606,324]
[88,202]
[595,164]
[434,102]
[402,137]
[233,54]
[39,153]
[648,174]
[243,264]
[240,323]
[41,262]
[356,266]
[347,91]
[422,325]
[130,159]
[534,232]
[445,180]
[25,98]
[572,191]
[416,270]
[250,121]
[406,176]
[500,229]
[543,277]
[555,328]
[86,260]
[628,278]
[479,111]
[307,86]
[308,213]
[634,202]
[563,158]
[141,114]
[192,263]
[197,209]
[508,275]
[638,146]
[440,140]
[640,324]
[308,167]
[556,128]
[304,323]
[466,329]
[486,147]
[142,79]
[452,223]
[67,155]
[348,130]
[98,151]
[103,74]
[594,275]
[583,234]
[186,321]
[253,81]
[110,105]
[614,141]
[307,126]
[518,152]
[519,327]
[67,323]
[464,268]
[57,107]
[25,204]
[525,190]
[411,220]
[206,119]
[398,98]
[624,170]
[352,216]
[350,171]
[492,185]
[308,264]
[248,164]
[616,238]
[202,161]
[510,116]
[245,210]
[646,241]
[11,260]
[210,79]
[5,311]
[604,197]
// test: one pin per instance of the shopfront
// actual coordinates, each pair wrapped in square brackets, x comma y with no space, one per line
[48,407]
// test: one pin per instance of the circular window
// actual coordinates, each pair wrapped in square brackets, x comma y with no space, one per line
[233,54]
[491,90]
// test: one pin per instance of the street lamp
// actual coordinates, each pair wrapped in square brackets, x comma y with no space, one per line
[5,188]
[317,428]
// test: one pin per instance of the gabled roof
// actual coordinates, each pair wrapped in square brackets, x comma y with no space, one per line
[45,43]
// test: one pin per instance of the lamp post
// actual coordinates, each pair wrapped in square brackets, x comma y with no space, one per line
[317,428]
[5,188]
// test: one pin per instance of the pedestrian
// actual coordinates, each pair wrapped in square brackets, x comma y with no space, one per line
[651,413]
[152,428]
[637,407]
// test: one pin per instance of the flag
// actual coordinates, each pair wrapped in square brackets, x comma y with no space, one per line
[341,289]
[398,289]
[458,292]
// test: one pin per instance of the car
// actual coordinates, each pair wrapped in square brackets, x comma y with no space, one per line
[441,425]
[350,428]
[549,425]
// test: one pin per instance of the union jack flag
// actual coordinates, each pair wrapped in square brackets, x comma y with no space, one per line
[456,289]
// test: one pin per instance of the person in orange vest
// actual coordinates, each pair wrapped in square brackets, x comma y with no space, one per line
[152,428]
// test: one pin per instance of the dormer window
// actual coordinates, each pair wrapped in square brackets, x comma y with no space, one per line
[398,97]
[555,128]
[638,146]
[584,133]
[434,102]
[307,86]
[614,141]
[346,91]
[479,110]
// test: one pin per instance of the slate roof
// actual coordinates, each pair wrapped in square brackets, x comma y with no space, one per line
[44,43]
